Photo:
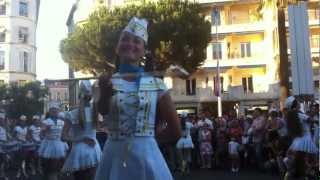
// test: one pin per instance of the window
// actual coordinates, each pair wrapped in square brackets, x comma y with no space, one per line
[215,17]
[23,34]
[216,86]
[216,50]
[315,40]
[245,49]
[3,9]
[22,82]
[247,84]
[316,84]
[191,87]
[24,61]
[207,82]
[2,59]
[23,9]
[2,34]
[58,96]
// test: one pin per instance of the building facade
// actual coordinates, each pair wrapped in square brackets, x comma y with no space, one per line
[247,48]
[18,24]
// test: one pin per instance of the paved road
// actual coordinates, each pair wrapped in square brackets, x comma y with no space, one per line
[228,175]
[203,175]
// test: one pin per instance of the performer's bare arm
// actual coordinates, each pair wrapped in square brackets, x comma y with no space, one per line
[166,113]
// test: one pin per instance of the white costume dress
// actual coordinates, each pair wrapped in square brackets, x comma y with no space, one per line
[131,151]
[21,133]
[35,133]
[51,146]
[185,141]
[82,156]
[304,143]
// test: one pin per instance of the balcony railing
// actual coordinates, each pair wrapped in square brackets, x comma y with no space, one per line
[251,26]
[234,93]
[237,61]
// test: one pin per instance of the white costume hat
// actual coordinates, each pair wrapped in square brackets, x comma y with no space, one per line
[184,114]
[23,118]
[289,102]
[36,117]
[138,27]
[54,104]
[85,87]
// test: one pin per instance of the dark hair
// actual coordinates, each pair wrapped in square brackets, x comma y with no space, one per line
[274,114]
[183,123]
[258,109]
[294,125]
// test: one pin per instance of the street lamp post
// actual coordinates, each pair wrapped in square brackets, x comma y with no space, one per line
[217,84]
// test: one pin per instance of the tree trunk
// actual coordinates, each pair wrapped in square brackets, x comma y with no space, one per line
[284,62]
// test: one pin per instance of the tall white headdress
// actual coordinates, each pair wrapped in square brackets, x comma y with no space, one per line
[138,27]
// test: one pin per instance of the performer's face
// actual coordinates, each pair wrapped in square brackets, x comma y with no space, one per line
[130,48]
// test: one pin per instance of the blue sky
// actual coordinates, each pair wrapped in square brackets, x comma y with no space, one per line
[51,29]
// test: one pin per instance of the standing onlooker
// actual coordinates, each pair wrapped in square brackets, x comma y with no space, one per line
[233,149]
[205,134]
[258,130]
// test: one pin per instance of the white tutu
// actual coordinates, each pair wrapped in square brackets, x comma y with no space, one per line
[144,161]
[53,149]
[82,156]
[304,144]
[184,143]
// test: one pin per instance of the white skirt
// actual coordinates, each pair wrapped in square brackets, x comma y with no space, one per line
[184,143]
[304,144]
[82,156]
[142,161]
[53,149]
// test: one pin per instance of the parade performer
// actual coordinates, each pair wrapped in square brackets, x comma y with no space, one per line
[80,129]
[185,144]
[52,150]
[133,107]
[20,134]
[302,149]
[34,131]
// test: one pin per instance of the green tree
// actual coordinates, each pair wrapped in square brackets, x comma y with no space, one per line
[178,34]
[24,99]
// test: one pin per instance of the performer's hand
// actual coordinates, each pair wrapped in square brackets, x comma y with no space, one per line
[89,142]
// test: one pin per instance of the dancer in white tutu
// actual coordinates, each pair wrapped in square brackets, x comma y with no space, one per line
[80,124]
[132,105]
[20,133]
[185,144]
[302,149]
[34,131]
[52,150]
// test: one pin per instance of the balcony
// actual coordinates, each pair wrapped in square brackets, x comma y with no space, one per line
[234,93]
[246,27]
[246,62]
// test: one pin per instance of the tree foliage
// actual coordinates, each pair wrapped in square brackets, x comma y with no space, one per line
[178,34]
[24,99]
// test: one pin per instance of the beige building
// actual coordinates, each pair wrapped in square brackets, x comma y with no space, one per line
[247,49]
[18,24]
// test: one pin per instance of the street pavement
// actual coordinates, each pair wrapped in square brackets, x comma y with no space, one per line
[227,175]
[199,175]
